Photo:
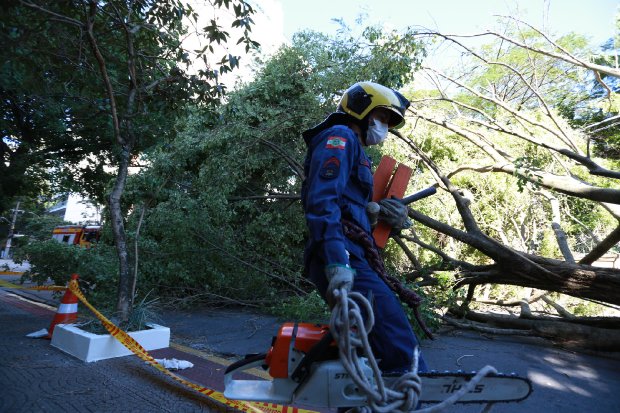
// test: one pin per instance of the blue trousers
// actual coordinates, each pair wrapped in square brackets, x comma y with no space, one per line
[392,338]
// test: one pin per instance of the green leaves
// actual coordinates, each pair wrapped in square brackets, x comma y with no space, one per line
[215,33]
[223,220]
[54,105]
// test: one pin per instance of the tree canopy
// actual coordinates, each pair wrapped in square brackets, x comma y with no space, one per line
[121,63]
[521,141]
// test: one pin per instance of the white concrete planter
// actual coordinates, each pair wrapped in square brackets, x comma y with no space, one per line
[93,347]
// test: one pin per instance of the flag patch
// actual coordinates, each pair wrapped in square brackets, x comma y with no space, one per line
[336,142]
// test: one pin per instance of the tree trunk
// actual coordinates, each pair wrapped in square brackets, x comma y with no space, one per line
[571,334]
[517,268]
[125,294]
[582,281]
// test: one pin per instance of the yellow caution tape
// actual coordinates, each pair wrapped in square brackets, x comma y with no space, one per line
[11,272]
[139,351]
[7,284]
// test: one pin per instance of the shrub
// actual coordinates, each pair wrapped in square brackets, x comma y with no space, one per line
[55,261]
[309,308]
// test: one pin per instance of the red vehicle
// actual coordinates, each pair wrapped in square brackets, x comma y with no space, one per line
[84,236]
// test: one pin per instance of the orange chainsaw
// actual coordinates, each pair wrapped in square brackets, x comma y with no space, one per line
[304,366]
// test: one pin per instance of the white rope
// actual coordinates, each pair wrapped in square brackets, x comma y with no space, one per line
[351,334]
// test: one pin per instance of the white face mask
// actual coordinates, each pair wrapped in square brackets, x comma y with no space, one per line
[377,132]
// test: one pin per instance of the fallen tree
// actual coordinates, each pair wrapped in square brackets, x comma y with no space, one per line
[493,119]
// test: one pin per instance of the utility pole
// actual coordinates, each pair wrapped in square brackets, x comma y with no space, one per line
[7,249]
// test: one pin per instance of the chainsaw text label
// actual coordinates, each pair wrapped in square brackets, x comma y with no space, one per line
[455,386]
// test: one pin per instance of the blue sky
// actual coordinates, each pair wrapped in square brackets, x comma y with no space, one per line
[277,20]
[593,17]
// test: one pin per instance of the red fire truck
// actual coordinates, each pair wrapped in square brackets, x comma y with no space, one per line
[84,236]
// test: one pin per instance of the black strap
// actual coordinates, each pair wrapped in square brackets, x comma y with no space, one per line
[319,352]
[250,358]
[357,234]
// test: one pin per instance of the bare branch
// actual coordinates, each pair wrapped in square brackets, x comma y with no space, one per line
[293,197]
[58,16]
[597,75]
[445,257]
[504,106]
[605,245]
[296,166]
[104,73]
[566,184]
[414,261]
[513,303]
[597,124]
[565,137]
[486,330]
[561,310]
[461,203]
[556,225]
[564,57]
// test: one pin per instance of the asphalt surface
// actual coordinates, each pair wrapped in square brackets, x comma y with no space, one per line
[35,377]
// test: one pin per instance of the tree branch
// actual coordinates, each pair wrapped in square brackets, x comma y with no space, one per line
[566,184]
[561,310]
[58,16]
[294,197]
[605,245]
[296,166]
[445,257]
[566,58]
[414,260]
[104,73]
[556,225]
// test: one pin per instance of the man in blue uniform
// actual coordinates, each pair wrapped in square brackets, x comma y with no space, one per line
[339,186]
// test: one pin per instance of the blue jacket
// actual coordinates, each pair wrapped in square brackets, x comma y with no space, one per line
[338,185]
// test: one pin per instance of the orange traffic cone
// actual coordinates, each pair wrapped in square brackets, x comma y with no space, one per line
[67,310]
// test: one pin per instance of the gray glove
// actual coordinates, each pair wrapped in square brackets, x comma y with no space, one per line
[372,210]
[339,276]
[394,213]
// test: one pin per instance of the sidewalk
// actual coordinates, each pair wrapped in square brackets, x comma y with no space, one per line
[37,377]
[9,265]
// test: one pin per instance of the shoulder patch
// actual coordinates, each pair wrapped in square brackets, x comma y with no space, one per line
[336,142]
[330,168]
[365,162]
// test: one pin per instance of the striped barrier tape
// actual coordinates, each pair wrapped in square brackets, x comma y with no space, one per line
[7,284]
[135,347]
[11,273]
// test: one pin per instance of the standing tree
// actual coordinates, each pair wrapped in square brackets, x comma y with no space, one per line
[139,76]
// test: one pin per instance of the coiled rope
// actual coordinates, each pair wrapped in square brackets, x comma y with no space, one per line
[351,334]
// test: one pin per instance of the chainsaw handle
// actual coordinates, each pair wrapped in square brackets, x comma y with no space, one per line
[242,365]
[431,190]
[249,359]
